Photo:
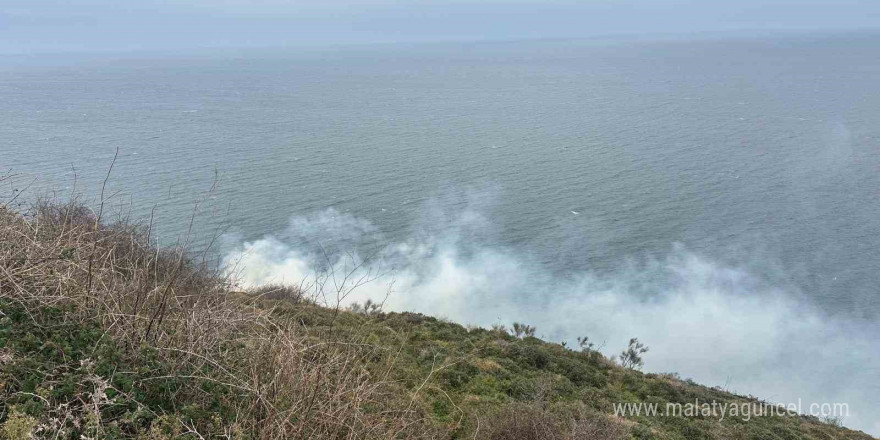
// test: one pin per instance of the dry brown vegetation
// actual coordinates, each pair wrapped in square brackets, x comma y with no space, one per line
[217,351]
[531,422]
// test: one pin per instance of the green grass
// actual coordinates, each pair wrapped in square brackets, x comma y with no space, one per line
[70,376]
[477,371]
[463,375]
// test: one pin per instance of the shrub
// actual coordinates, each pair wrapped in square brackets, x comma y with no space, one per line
[18,426]
[183,343]
[284,292]
[500,330]
[632,357]
[523,422]
[530,422]
[368,308]
[585,344]
[523,330]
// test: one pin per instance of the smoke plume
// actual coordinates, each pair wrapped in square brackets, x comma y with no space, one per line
[719,325]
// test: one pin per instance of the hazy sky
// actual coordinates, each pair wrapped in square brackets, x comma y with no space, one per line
[76,25]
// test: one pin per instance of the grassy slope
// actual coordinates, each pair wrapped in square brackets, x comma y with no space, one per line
[483,370]
[83,354]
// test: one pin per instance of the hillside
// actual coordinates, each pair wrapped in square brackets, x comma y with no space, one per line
[104,336]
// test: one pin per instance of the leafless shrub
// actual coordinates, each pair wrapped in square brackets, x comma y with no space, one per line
[598,427]
[288,384]
[532,422]
[523,422]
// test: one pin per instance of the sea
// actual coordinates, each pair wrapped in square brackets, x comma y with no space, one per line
[717,197]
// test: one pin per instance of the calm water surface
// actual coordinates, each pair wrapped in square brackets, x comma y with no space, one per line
[760,153]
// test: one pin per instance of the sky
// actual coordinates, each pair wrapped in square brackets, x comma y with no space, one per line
[28,26]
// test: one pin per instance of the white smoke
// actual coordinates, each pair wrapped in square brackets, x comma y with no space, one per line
[718,325]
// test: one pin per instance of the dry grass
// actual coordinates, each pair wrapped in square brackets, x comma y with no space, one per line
[279,382]
[532,422]
[280,292]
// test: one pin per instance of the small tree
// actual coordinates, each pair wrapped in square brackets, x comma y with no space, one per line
[368,308]
[632,357]
[523,330]
[585,344]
